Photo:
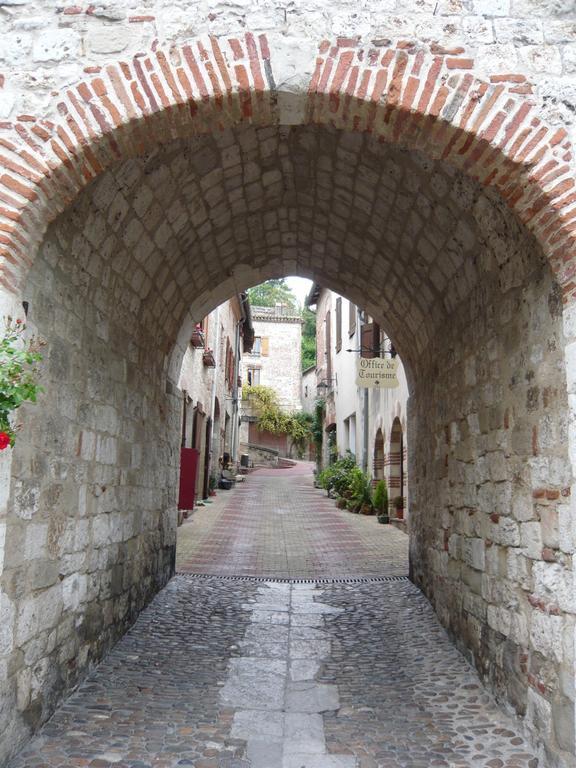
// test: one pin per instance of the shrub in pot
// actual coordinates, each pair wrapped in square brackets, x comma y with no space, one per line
[380,501]
[399,507]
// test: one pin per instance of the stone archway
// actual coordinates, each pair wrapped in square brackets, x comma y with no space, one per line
[168,184]
[397,470]
[379,456]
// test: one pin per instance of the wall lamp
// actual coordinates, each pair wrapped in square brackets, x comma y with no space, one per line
[324,385]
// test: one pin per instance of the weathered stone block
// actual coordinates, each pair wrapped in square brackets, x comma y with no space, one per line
[38,613]
[546,634]
[56,45]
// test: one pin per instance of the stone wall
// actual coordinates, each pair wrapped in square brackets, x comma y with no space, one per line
[337,143]
[279,360]
[492,536]
[92,511]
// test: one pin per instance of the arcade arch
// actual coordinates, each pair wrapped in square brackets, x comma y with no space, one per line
[161,215]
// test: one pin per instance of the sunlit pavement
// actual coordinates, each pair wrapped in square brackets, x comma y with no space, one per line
[277,525]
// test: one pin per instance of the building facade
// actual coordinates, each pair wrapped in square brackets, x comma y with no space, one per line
[210,385]
[369,423]
[274,362]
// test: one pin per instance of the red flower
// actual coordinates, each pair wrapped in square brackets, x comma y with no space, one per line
[4,440]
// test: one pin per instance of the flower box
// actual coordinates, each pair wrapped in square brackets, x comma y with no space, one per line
[198,339]
[208,359]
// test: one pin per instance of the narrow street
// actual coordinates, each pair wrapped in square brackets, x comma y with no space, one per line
[222,672]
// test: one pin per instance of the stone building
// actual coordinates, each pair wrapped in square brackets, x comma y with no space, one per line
[209,381]
[370,423]
[309,391]
[415,155]
[274,361]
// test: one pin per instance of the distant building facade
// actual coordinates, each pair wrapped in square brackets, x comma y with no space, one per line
[370,423]
[309,392]
[274,361]
[210,382]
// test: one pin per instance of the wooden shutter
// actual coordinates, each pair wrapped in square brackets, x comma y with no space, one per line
[370,340]
[265,346]
[351,318]
[338,324]
[328,339]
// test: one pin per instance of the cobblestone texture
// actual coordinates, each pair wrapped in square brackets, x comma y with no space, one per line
[278,525]
[231,674]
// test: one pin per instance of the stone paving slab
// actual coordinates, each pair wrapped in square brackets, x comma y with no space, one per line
[277,525]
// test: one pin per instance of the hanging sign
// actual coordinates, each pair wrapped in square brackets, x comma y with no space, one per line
[377,372]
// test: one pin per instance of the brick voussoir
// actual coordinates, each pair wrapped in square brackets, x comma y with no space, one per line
[410,94]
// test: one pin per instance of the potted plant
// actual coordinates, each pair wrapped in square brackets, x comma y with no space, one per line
[380,501]
[399,507]
[198,340]
[360,492]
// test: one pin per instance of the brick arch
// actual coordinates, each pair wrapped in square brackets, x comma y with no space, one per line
[419,97]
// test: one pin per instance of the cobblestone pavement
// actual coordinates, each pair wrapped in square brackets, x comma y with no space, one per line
[223,673]
[237,673]
[277,525]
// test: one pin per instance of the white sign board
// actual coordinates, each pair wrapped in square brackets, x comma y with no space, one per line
[377,372]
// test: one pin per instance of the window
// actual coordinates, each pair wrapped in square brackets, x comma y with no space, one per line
[338,324]
[253,377]
[257,346]
[328,347]
[351,319]
[265,346]
[370,340]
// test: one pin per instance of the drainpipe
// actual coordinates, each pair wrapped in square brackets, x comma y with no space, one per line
[243,343]
[365,435]
[210,456]
[234,441]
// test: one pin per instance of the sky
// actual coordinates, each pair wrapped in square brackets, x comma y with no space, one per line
[300,286]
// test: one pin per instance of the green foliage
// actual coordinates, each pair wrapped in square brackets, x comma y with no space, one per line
[271,418]
[308,338]
[336,477]
[272,292]
[359,487]
[380,497]
[308,347]
[344,479]
[318,425]
[18,382]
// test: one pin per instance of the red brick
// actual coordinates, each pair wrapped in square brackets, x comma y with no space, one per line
[459,63]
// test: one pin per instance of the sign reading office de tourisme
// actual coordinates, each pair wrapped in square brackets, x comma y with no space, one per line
[377,372]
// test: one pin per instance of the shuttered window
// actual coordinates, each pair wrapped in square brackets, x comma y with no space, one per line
[351,318]
[370,340]
[328,341]
[338,324]
[265,346]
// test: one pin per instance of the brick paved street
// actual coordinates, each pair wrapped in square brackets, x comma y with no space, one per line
[237,673]
[277,525]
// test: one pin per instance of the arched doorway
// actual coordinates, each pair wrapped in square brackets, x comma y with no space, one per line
[397,471]
[124,223]
[379,456]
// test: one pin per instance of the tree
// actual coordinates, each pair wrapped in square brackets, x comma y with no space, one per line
[308,338]
[272,292]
